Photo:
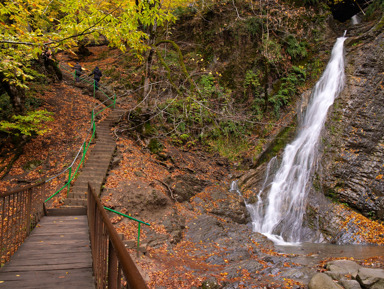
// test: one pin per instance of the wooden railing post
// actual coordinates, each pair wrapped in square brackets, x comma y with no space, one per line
[113,281]
[2,245]
[29,211]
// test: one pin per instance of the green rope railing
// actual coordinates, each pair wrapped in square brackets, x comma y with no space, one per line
[129,217]
[85,145]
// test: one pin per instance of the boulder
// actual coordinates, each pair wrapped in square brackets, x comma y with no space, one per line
[340,268]
[321,281]
[350,284]
[371,278]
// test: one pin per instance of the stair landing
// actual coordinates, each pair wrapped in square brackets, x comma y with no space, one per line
[57,255]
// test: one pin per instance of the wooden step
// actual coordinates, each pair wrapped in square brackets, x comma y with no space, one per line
[67,211]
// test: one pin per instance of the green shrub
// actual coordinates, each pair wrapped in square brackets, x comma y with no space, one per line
[6,109]
[253,88]
[297,50]
[155,146]
[207,85]
[252,83]
[375,6]
[254,25]
[232,148]
[30,124]
[271,49]
[288,88]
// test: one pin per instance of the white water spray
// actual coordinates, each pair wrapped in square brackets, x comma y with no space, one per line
[355,20]
[278,212]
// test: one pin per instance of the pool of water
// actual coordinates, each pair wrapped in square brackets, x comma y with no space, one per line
[309,255]
[312,253]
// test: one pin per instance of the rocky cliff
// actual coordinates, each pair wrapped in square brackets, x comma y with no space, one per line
[348,180]
[354,136]
[352,165]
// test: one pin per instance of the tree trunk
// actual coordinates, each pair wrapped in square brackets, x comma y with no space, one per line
[266,83]
[148,64]
[16,95]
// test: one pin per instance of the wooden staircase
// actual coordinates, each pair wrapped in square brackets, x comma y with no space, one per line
[97,164]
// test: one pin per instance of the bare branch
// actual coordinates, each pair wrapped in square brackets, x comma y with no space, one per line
[18,42]
[237,12]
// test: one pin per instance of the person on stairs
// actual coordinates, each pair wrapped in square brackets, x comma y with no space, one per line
[78,71]
[96,76]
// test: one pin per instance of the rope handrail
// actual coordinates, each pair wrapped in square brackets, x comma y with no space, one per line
[134,219]
[127,216]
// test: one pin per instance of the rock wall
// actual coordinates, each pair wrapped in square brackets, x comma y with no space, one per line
[352,166]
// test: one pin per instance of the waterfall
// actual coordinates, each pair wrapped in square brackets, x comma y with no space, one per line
[280,206]
[355,20]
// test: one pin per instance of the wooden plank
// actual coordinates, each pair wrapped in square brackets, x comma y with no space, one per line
[68,224]
[63,218]
[52,254]
[36,268]
[58,279]
[19,275]
[54,238]
[64,222]
[75,284]
[57,255]
[61,231]
[72,247]
[48,259]
[67,212]
[47,247]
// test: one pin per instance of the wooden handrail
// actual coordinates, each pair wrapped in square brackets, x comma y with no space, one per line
[6,194]
[20,211]
[106,273]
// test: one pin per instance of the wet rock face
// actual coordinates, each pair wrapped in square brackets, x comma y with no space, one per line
[354,140]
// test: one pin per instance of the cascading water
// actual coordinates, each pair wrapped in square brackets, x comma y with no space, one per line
[280,207]
[355,20]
